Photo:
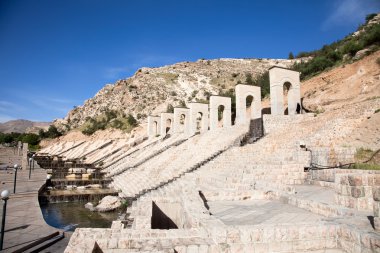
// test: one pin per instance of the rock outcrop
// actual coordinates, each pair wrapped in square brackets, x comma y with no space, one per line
[108,203]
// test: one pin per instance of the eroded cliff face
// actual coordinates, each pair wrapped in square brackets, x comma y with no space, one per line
[150,90]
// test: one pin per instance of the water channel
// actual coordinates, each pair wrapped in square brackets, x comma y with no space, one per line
[71,215]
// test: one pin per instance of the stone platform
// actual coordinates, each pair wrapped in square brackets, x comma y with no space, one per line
[253,212]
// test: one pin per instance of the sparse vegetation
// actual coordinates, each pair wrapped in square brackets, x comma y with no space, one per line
[378,61]
[12,138]
[109,119]
[365,166]
[263,82]
[249,79]
[319,111]
[332,55]
[377,110]
[230,93]
[363,154]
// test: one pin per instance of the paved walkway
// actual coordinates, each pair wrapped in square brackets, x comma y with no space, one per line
[252,212]
[24,221]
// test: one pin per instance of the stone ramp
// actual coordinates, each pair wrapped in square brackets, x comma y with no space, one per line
[142,153]
[175,161]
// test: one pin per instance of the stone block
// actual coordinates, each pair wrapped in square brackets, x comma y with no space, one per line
[376,209]
[355,180]
[233,235]
[257,235]
[376,193]
[357,192]
[261,247]
[281,246]
[192,249]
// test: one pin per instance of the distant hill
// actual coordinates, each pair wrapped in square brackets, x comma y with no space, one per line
[23,126]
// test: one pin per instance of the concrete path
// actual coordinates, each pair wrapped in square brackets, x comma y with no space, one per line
[252,212]
[24,221]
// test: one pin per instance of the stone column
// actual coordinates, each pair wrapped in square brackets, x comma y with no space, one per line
[24,159]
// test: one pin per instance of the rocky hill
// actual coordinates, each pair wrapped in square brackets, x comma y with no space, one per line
[151,90]
[23,126]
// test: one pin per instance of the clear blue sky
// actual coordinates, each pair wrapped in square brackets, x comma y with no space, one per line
[56,54]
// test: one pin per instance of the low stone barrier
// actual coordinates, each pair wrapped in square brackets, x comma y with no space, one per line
[358,191]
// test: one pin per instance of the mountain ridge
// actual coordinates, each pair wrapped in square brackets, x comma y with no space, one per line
[23,126]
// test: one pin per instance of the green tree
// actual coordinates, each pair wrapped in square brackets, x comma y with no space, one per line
[31,139]
[132,121]
[53,132]
[291,56]
[248,79]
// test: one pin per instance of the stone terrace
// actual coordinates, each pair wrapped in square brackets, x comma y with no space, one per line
[260,181]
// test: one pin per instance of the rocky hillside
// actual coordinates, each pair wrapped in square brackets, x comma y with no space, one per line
[23,126]
[151,90]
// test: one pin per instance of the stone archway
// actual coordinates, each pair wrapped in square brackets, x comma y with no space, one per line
[198,117]
[282,79]
[215,103]
[243,93]
[181,120]
[154,126]
[167,122]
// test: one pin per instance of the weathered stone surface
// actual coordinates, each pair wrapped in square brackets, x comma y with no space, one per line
[108,203]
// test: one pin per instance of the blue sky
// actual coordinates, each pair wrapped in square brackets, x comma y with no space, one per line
[56,54]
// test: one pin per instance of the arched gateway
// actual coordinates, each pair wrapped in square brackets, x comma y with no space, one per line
[154,126]
[215,103]
[248,103]
[284,81]
[198,117]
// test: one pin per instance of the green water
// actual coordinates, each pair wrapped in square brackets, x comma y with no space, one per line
[73,215]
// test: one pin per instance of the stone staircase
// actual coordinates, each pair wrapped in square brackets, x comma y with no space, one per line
[272,169]
[175,161]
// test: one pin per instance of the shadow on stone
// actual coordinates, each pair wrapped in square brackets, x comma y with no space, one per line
[160,220]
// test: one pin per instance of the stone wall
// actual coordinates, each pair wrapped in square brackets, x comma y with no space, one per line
[274,123]
[331,156]
[359,191]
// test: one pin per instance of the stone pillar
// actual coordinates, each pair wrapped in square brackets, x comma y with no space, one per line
[215,102]
[196,108]
[278,76]
[19,147]
[242,92]
[153,126]
[376,201]
[165,117]
[24,159]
